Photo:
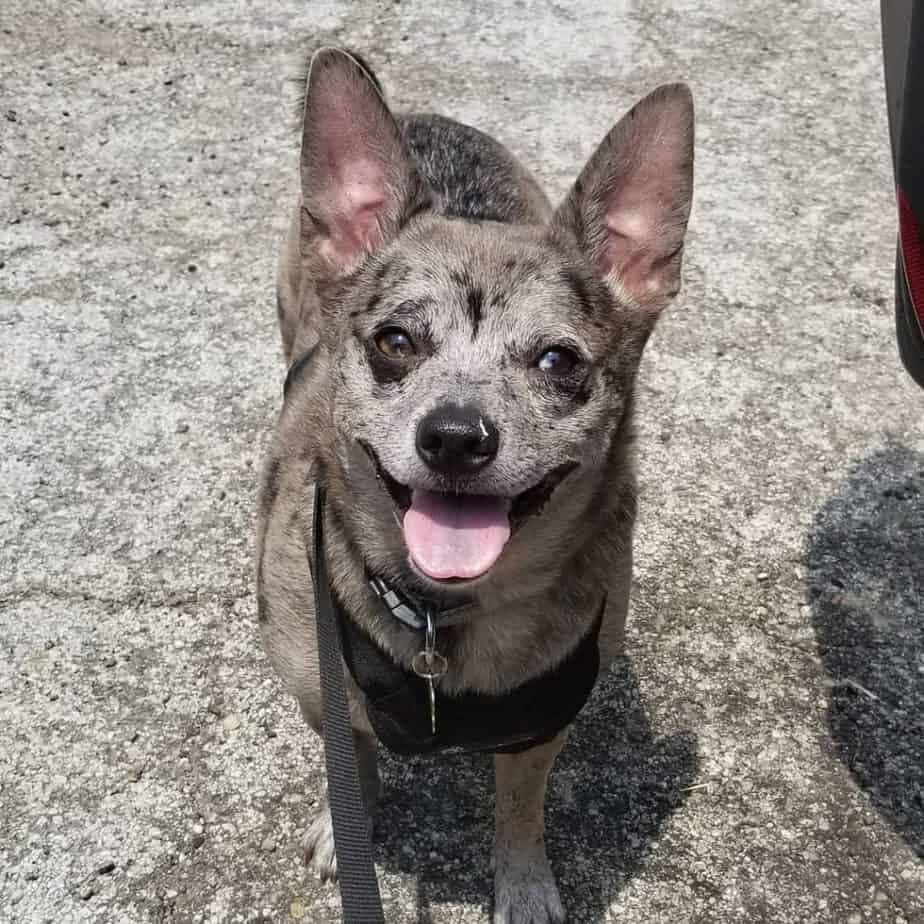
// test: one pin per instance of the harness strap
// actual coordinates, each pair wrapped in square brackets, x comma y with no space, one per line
[397,700]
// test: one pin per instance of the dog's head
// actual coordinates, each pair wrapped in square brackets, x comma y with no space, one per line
[473,370]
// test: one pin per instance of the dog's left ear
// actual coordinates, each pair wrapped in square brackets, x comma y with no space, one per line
[628,209]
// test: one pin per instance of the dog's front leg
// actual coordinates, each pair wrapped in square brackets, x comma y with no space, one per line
[524,887]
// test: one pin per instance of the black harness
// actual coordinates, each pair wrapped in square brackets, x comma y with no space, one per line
[397,700]
[530,714]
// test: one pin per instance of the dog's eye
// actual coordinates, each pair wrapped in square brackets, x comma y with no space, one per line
[395,343]
[557,360]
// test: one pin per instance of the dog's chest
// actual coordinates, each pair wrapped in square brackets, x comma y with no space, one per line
[409,720]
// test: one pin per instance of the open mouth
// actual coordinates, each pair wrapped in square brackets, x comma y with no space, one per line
[458,536]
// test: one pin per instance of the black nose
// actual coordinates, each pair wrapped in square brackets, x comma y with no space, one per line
[456,440]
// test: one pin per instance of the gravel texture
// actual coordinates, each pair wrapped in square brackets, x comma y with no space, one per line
[759,754]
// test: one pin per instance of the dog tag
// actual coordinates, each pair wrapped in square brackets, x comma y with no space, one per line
[430,665]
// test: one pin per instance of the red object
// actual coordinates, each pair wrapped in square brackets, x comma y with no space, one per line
[912,254]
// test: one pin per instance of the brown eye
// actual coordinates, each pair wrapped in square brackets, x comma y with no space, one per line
[557,360]
[395,343]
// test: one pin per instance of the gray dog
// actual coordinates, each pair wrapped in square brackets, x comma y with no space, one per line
[462,359]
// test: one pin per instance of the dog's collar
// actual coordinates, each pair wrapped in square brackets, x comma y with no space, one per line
[412,611]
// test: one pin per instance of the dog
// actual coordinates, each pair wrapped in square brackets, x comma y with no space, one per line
[461,361]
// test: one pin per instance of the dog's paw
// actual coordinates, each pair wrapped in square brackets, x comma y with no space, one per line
[527,894]
[318,843]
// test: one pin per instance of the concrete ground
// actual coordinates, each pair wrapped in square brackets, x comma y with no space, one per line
[759,755]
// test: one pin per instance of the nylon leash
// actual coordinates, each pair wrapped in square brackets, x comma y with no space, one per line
[359,887]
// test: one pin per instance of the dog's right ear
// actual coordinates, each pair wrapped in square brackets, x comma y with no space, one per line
[357,181]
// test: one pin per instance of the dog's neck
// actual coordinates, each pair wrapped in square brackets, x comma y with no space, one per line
[412,610]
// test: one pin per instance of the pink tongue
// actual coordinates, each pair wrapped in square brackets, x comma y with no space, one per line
[455,536]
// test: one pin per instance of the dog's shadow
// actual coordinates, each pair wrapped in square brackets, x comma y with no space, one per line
[611,790]
[866,581]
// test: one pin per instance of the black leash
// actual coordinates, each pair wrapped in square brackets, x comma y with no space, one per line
[359,888]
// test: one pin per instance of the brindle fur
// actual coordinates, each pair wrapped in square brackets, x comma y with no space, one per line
[467,253]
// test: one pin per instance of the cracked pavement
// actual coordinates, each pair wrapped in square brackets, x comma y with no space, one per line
[759,753]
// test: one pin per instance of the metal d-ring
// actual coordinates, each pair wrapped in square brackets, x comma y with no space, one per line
[430,665]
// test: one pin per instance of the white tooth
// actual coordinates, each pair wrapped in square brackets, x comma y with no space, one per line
[484,429]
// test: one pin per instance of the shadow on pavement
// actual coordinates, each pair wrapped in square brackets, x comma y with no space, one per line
[611,791]
[866,574]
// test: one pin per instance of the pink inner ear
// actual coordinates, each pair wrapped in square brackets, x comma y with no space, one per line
[351,161]
[630,264]
[355,199]
[628,232]
[639,237]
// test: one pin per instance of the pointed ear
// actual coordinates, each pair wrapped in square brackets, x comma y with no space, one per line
[628,209]
[357,181]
